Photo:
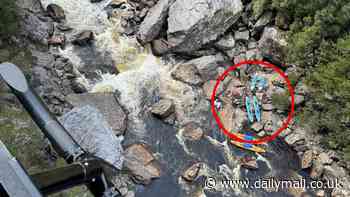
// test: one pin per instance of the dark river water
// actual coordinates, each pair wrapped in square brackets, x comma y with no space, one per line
[279,162]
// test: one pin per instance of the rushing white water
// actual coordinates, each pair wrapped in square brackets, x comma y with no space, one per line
[110,46]
[137,90]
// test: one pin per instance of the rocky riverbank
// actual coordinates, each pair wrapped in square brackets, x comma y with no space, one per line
[149,68]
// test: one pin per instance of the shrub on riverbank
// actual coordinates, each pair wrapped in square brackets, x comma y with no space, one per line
[8,17]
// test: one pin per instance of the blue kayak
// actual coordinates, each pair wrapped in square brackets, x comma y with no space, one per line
[257,109]
[248,107]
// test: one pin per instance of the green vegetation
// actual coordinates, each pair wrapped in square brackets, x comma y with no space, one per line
[330,92]
[319,43]
[8,17]
[281,101]
[22,138]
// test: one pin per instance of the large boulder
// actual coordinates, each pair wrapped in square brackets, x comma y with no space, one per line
[192,24]
[207,66]
[107,104]
[154,21]
[188,74]
[92,132]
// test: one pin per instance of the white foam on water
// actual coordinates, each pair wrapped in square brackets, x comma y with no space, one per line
[181,140]
[136,87]
[83,15]
[263,159]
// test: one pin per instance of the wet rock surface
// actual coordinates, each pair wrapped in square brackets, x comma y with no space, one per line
[192,172]
[92,132]
[192,131]
[84,38]
[56,12]
[163,108]
[141,163]
[107,104]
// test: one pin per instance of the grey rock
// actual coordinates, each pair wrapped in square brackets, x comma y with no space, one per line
[250,164]
[226,43]
[192,131]
[192,172]
[141,162]
[252,44]
[242,35]
[265,19]
[307,159]
[159,47]
[52,78]
[188,74]
[163,108]
[325,159]
[36,29]
[192,24]
[92,132]
[123,191]
[208,88]
[207,66]
[33,6]
[152,25]
[78,87]
[84,38]
[107,104]
[317,169]
[273,45]
[56,12]
[64,27]
[294,138]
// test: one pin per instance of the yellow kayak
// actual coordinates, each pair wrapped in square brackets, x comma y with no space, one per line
[250,147]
